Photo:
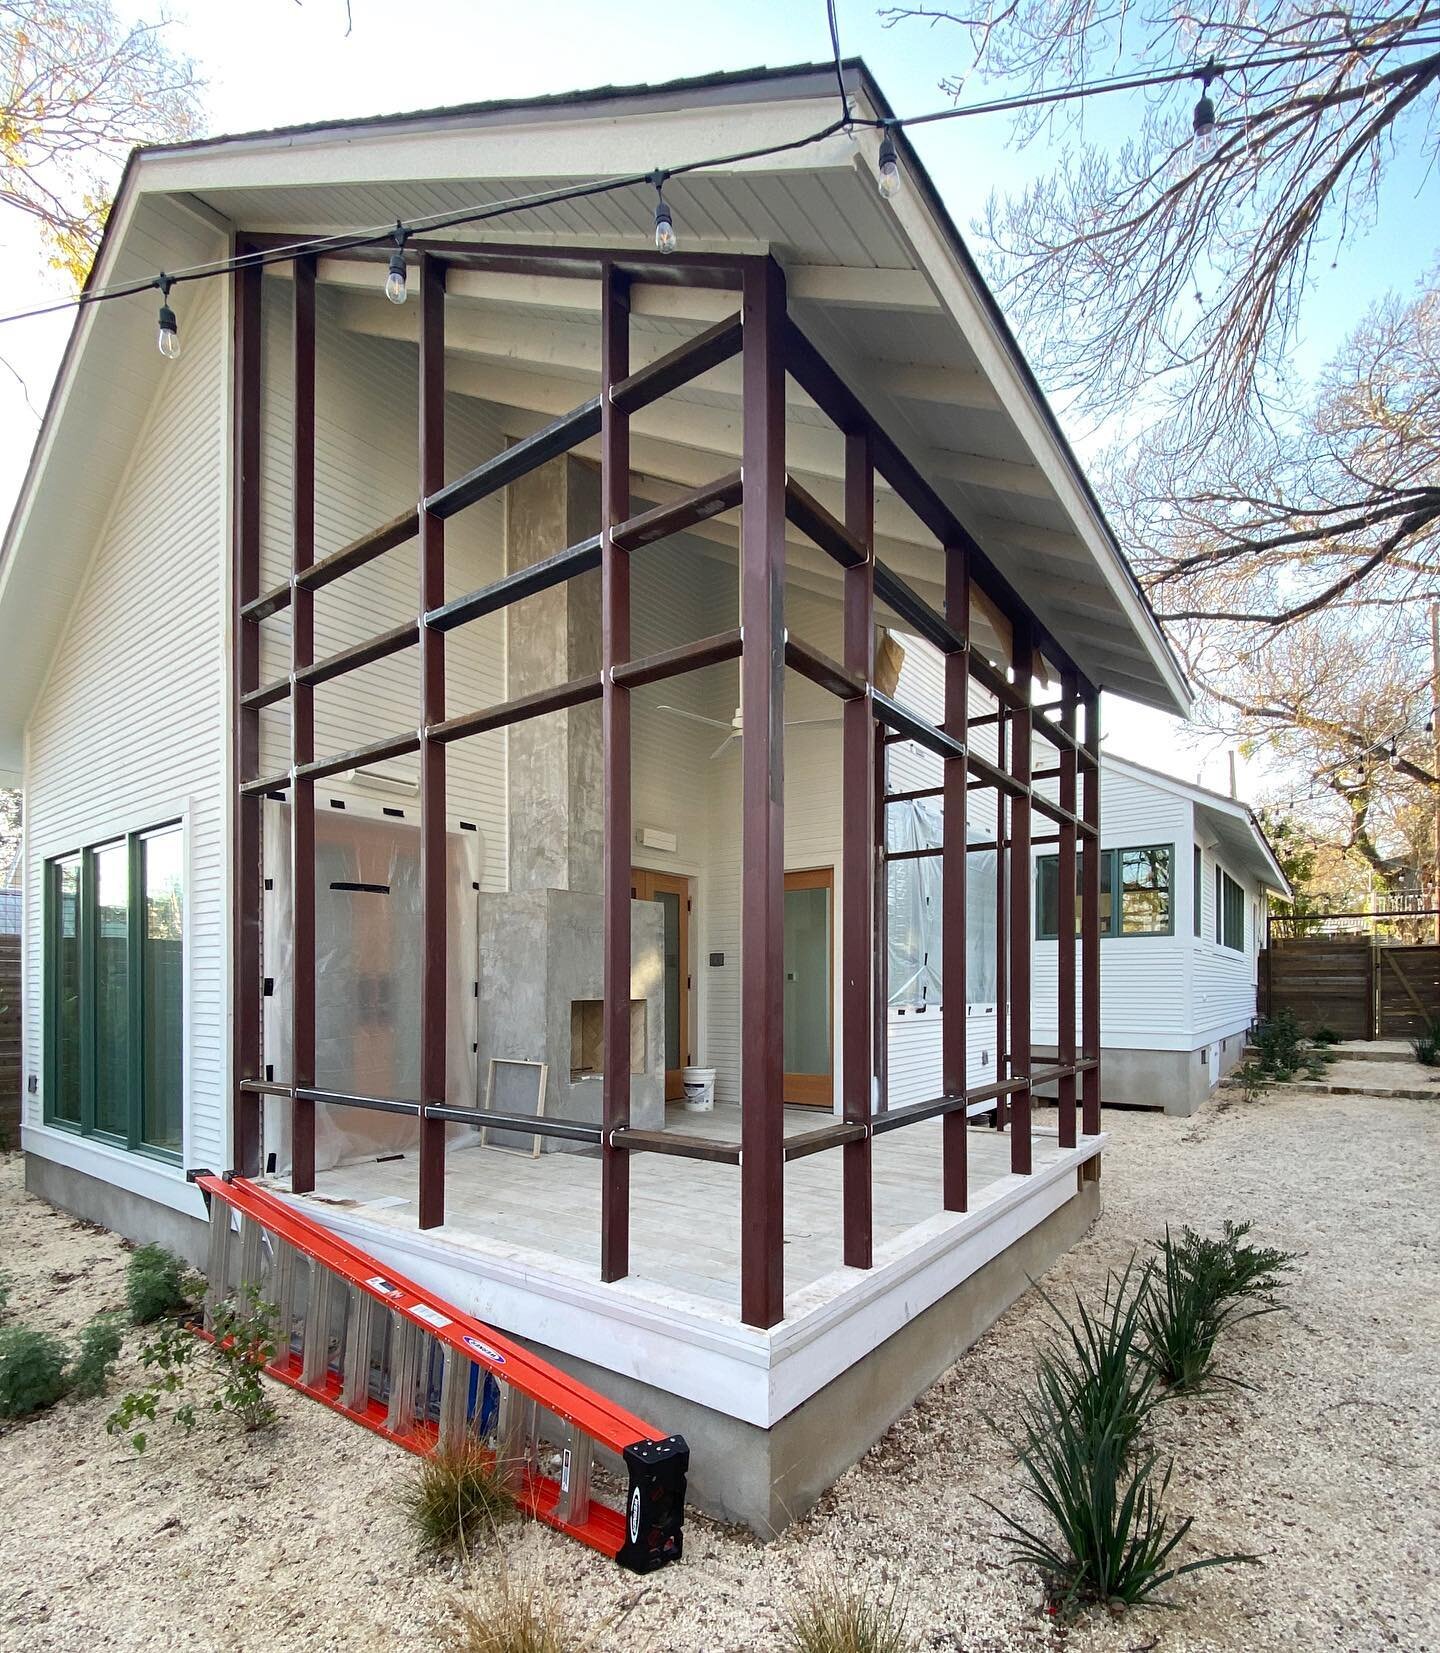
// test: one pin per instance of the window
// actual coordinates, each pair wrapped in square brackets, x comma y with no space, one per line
[114,990]
[1197,889]
[1229,912]
[1141,876]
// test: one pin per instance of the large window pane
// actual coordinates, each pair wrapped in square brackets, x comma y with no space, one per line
[162,1023]
[111,872]
[1145,891]
[64,1081]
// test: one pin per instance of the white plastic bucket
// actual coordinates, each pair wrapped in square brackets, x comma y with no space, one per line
[699,1086]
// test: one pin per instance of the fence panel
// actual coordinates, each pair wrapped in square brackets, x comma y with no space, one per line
[1409,981]
[1327,981]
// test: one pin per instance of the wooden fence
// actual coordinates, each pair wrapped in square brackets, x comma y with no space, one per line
[1360,987]
[9,1041]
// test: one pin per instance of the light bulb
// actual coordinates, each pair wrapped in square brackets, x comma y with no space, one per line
[664,227]
[1203,144]
[889,168]
[168,335]
[395,289]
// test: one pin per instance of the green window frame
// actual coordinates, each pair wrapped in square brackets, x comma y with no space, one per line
[113,951]
[1229,912]
[1137,892]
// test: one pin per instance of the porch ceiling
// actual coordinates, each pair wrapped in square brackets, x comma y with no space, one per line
[885,289]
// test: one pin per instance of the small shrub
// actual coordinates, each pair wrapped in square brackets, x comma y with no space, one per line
[508,1618]
[832,1615]
[168,1354]
[32,1371]
[455,1501]
[157,1283]
[1112,1542]
[98,1350]
[1201,1287]
[4,1292]
[1325,1036]
[1426,1046]
[245,1344]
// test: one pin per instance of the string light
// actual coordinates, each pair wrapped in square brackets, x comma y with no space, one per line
[665,240]
[168,336]
[889,168]
[320,245]
[395,289]
[1206,137]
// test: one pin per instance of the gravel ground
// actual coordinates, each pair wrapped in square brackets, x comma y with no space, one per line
[1326,1468]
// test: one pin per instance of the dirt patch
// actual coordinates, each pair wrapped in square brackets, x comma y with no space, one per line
[1327,1468]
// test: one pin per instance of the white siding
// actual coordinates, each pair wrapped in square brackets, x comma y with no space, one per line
[1144,980]
[1224,991]
[130,727]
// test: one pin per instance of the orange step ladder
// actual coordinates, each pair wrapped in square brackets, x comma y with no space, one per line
[390,1356]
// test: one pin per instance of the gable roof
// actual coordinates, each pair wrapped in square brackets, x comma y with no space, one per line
[887,290]
[1235,828]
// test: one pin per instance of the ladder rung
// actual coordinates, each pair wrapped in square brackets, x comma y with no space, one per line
[515,1445]
[315,1343]
[217,1266]
[404,1342]
[575,1465]
[251,1234]
[454,1397]
[355,1390]
[282,1288]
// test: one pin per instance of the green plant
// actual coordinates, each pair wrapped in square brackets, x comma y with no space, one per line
[1093,1370]
[157,1283]
[99,1349]
[508,1618]
[4,1292]
[1200,1287]
[1111,1540]
[834,1615]
[242,1343]
[245,1344]
[1277,1045]
[1325,1036]
[455,1500]
[1426,1046]
[32,1371]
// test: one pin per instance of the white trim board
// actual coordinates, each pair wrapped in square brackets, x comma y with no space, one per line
[664,1337]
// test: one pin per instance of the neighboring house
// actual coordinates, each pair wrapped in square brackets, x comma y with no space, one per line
[1186,876]
[344,810]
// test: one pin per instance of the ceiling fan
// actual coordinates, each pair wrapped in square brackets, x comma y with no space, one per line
[735,730]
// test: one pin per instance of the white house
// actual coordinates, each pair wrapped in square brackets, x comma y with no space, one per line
[1184,884]
[285,659]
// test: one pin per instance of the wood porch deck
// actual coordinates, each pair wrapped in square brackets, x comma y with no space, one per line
[685,1213]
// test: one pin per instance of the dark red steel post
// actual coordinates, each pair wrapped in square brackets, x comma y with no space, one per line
[302,730]
[1090,918]
[762,831]
[880,1015]
[433,872]
[954,887]
[1020,883]
[245,870]
[1002,925]
[1065,947]
[615,730]
[857,856]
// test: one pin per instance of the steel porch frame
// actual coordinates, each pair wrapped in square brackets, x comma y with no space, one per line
[770,345]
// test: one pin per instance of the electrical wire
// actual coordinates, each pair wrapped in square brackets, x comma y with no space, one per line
[374,235]
[834,23]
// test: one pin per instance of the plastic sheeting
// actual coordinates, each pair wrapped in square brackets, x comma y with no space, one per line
[915,912]
[367,979]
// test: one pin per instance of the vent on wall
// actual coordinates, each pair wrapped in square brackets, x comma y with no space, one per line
[375,779]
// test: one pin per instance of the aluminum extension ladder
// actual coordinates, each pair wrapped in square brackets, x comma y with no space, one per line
[390,1356]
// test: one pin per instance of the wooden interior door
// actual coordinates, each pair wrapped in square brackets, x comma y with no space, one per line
[673,894]
[810,987]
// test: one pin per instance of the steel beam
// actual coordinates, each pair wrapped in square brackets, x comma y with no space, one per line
[1021,947]
[954,887]
[1065,947]
[302,730]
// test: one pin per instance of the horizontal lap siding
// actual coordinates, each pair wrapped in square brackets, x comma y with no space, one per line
[131,721]
[1225,979]
[1144,980]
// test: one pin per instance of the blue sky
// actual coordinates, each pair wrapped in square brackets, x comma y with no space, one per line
[272,62]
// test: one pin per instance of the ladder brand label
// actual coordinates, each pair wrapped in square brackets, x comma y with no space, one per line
[380,1283]
[483,1350]
[431,1317]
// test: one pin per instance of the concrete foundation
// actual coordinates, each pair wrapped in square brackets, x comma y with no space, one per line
[767,1478]
[1176,1080]
[130,1215]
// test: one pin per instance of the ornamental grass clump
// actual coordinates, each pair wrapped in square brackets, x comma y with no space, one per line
[455,1500]
[833,1615]
[1200,1287]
